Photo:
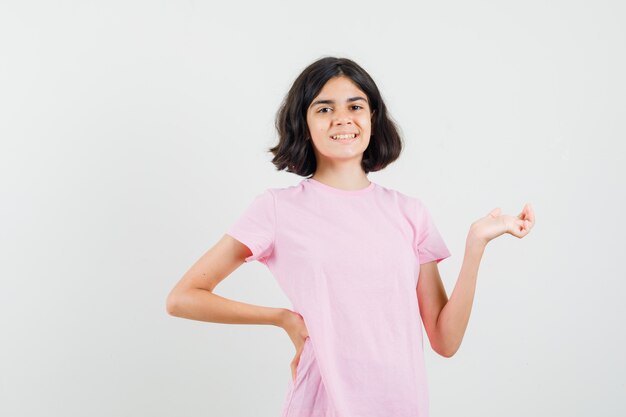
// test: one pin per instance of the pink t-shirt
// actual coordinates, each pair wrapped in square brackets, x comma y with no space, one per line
[349,263]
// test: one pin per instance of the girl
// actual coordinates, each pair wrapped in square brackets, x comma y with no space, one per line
[357,260]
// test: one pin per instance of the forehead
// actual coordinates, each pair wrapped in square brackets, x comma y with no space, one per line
[340,88]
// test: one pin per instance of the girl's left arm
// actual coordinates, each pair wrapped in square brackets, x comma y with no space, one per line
[446,320]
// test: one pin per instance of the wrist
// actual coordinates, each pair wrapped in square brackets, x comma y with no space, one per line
[281,317]
[474,241]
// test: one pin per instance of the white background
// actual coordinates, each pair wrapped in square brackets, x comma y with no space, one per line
[134,133]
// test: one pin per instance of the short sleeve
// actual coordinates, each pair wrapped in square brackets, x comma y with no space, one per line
[255,227]
[430,244]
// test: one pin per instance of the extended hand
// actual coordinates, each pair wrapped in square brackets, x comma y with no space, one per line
[496,224]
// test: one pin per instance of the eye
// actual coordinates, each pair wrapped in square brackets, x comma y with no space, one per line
[323,108]
[356,105]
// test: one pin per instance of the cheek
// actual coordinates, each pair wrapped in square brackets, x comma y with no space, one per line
[313,124]
[320,127]
[366,122]
[316,129]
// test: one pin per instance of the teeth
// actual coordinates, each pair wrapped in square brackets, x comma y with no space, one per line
[344,136]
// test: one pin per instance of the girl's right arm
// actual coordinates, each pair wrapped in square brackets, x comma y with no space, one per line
[193,297]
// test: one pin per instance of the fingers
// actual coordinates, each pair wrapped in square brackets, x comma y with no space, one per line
[520,225]
[528,210]
[531,213]
[521,229]
[529,216]
[295,362]
[294,368]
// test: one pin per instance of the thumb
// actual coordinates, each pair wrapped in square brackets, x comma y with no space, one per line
[494,213]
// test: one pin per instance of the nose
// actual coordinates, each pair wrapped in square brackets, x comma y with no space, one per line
[342,117]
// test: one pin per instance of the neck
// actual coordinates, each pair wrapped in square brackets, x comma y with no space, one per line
[347,180]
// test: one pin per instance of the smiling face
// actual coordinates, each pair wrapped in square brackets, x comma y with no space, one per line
[340,108]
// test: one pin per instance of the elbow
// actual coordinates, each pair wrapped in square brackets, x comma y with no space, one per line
[171,305]
[446,353]
[180,302]
[446,350]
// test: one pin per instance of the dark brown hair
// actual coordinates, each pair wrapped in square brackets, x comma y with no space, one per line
[294,151]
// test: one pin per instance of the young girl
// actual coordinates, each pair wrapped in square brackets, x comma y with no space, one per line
[357,260]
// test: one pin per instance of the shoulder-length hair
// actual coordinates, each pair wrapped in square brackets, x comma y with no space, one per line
[294,151]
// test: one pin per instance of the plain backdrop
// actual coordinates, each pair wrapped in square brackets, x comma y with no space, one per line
[133,133]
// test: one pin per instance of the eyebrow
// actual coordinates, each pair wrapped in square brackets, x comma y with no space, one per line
[351,99]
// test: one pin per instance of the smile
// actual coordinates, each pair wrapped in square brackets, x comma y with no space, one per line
[345,138]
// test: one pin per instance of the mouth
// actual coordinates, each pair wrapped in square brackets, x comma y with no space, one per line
[347,138]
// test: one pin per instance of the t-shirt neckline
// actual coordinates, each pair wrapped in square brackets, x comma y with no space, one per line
[335,190]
